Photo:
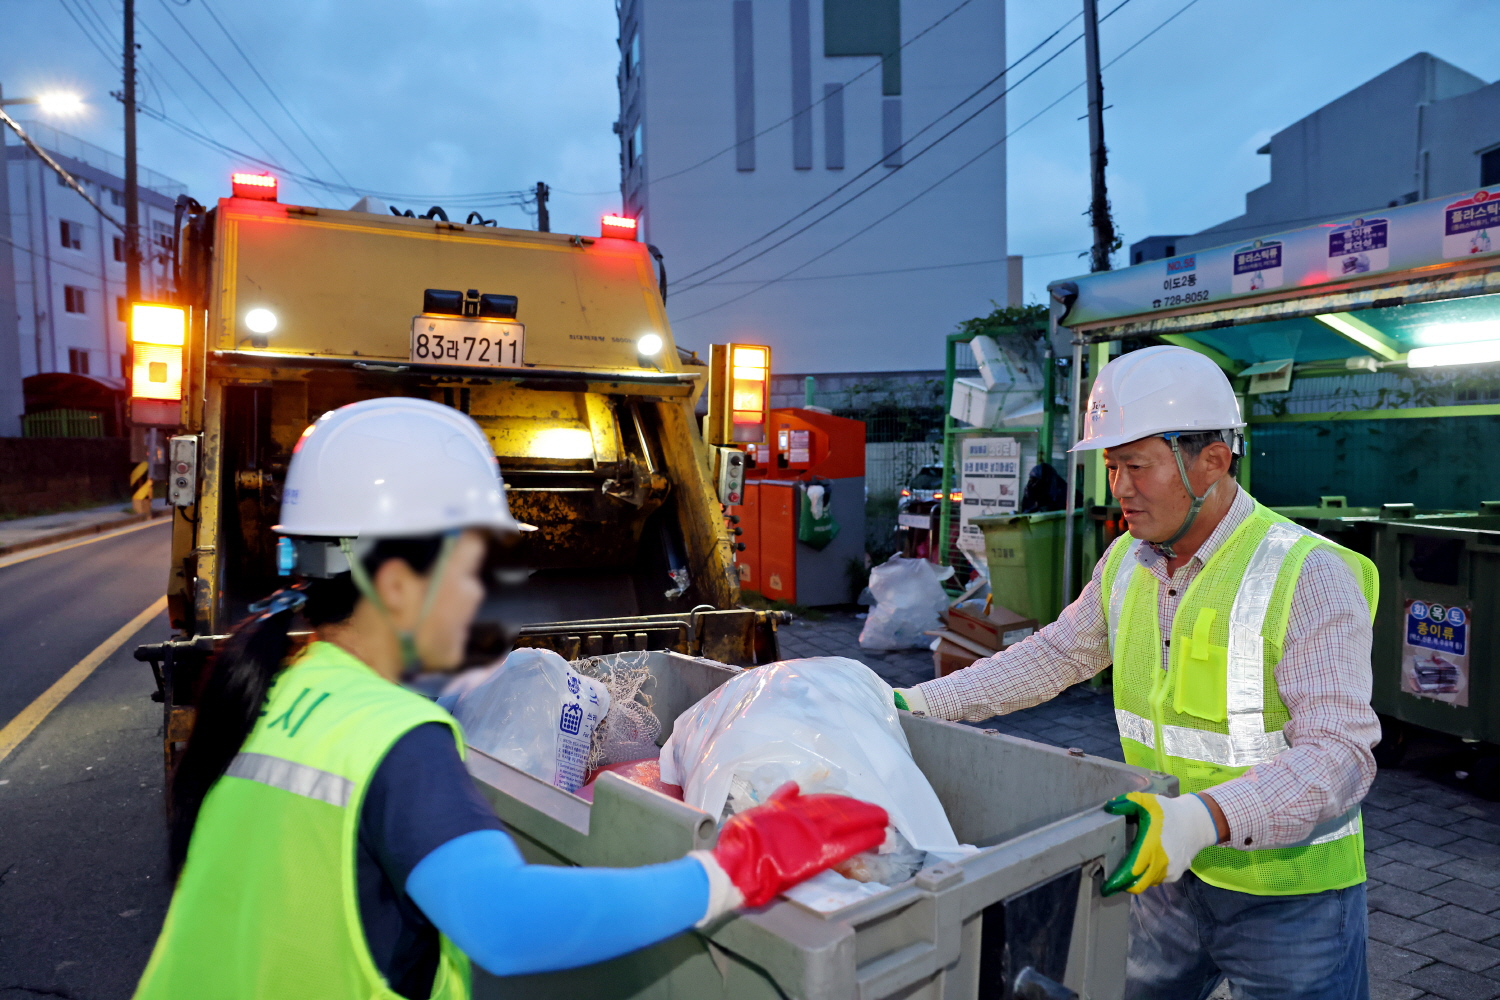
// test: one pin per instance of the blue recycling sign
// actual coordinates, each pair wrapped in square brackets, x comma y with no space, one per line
[1437,627]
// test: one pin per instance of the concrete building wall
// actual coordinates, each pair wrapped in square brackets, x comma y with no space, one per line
[1411,133]
[701,80]
[68,299]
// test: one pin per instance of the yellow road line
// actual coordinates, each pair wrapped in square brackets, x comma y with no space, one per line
[17,729]
[47,550]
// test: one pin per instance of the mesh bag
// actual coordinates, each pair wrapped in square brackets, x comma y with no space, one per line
[630,729]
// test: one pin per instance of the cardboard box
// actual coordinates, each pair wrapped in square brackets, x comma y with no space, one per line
[995,631]
[954,652]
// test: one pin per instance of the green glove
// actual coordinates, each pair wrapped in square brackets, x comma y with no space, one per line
[1169,835]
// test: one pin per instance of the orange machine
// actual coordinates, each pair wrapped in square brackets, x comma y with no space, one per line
[809,473]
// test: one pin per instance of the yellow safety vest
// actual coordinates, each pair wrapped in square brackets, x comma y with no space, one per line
[267,907]
[1216,712]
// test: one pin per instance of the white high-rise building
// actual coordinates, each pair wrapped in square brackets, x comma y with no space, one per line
[62,266]
[737,115]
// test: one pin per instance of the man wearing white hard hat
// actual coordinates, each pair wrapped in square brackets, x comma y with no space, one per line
[1241,652]
[326,838]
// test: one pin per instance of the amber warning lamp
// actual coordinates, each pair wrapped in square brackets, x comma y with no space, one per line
[260,187]
[158,334]
[739,394]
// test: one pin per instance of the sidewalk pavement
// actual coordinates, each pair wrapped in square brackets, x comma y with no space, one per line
[1432,848]
[29,532]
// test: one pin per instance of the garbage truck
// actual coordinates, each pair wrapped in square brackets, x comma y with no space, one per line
[557,345]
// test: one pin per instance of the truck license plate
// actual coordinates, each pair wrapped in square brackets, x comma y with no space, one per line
[455,340]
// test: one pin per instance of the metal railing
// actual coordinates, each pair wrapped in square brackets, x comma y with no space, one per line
[63,424]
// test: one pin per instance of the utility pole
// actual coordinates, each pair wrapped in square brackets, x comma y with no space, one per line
[1099,217]
[132,182]
[543,220]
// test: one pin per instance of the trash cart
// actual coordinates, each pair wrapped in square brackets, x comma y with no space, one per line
[1028,899]
[1436,649]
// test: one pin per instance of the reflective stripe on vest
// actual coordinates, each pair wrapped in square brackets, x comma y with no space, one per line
[290,776]
[1128,562]
[1247,742]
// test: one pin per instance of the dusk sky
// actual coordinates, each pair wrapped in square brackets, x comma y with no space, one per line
[431,100]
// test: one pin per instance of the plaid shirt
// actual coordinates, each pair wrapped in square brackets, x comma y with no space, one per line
[1323,678]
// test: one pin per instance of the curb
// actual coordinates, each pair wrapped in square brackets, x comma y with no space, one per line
[84,532]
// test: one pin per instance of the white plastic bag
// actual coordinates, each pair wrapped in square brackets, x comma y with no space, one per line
[908,600]
[535,712]
[828,723]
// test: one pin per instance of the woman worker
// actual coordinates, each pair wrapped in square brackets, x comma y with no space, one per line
[327,840]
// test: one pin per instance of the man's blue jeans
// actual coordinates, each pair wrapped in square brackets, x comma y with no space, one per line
[1187,935]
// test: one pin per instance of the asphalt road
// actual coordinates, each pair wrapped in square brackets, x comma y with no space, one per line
[83,886]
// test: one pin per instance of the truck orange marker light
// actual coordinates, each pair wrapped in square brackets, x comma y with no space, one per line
[261,187]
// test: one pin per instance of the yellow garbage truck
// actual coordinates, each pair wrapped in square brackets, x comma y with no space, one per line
[557,345]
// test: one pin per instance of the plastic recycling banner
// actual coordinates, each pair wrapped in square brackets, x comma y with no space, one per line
[1435,652]
[1389,239]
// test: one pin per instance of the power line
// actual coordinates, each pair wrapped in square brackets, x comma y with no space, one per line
[941,180]
[90,36]
[1001,75]
[808,110]
[274,96]
[234,87]
[908,270]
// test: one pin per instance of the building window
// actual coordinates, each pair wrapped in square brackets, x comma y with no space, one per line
[120,249]
[116,197]
[122,312]
[165,238]
[73,300]
[632,55]
[78,361]
[71,234]
[633,147]
[1489,168]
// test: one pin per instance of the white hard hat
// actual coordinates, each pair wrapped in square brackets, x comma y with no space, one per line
[393,468]
[1156,391]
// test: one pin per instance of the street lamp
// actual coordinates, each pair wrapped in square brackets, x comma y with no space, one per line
[56,103]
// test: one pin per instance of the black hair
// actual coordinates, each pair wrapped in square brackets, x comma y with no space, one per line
[1193,444]
[242,672]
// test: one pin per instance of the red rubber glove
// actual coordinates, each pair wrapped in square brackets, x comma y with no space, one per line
[768,849]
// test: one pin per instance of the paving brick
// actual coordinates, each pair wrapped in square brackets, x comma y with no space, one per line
[1410,877]
[1479,872]
[1437,794]
[1402,902]
[1423,833]
[1377,818]
[1471,956]
[1385,798]
[1459,920]
[1478,850]
[1412,854]
[1385,989]
[1452,984]
[1480,830]
[1396,930]
[1466,894]
[1376,839]
[1389,962]
[1429,813]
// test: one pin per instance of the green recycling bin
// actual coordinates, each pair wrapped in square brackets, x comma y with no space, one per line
[1025,556]
[1437,655]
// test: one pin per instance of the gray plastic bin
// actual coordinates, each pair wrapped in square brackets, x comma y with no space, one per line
[1029,898]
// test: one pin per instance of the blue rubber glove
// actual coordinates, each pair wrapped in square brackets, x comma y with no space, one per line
[513,918]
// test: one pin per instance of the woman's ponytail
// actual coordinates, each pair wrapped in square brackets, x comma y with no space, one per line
[238,681]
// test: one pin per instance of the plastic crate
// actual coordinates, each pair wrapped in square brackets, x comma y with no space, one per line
[1028,898]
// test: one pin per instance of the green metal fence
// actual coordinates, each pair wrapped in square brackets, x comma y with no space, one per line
[63,424]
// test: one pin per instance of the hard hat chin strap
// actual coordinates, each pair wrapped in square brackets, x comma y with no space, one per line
[411,661]
[1192,514]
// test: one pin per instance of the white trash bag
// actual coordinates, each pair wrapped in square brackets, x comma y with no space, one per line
[535,713]
[909,597]
[827,722]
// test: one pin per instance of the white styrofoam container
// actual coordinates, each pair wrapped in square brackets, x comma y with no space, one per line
[974,404]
